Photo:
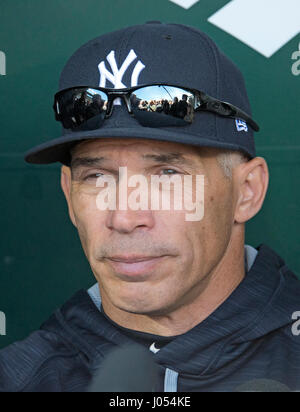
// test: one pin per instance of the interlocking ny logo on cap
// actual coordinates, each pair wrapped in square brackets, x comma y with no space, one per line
[117,74]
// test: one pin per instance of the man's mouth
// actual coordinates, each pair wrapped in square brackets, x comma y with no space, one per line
[134,266]
[133,258]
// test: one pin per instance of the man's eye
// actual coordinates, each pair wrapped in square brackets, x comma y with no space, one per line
[169,171]
[93,176]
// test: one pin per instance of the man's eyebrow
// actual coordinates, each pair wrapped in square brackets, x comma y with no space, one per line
[175,158]
[87,162]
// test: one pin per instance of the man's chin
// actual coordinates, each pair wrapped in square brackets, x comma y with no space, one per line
[145,304]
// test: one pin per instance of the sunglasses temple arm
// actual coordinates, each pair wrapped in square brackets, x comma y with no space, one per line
[216,106]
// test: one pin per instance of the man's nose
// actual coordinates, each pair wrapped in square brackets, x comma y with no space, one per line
[127,221]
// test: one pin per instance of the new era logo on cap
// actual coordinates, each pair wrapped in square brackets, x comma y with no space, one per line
[241,125]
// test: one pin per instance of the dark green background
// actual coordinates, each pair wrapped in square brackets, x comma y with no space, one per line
[41,261]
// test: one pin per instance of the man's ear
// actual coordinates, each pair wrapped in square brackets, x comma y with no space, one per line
[251,182]
[66,181]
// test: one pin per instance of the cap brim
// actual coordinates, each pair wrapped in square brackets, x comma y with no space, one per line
[58,150]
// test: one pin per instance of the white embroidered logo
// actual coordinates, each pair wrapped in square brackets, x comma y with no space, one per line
[117,74]
[153,348]
[241,125]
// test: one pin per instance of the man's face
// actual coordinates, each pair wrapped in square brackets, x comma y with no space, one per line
[150,261]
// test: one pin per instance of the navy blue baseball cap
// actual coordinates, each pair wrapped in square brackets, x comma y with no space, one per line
[155,53]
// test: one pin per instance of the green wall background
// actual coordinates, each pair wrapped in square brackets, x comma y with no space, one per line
[41,261]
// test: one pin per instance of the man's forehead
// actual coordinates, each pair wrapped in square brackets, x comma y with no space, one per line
[97,146]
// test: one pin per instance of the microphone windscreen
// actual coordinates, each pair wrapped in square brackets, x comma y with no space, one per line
[262,385]
[128,368]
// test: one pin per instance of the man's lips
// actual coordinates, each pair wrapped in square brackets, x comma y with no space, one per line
[134,266]
[132,259]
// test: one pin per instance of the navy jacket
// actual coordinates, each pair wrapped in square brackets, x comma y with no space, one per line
[250,336]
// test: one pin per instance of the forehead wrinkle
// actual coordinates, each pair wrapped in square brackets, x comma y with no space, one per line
[166,158]
[87,161]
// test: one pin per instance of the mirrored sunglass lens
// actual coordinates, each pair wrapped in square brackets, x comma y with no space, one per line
[163,106]
[82,109]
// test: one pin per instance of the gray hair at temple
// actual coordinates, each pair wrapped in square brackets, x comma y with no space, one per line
[229,159]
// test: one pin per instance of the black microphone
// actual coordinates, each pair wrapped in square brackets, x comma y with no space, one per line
[262,385]
[128,368]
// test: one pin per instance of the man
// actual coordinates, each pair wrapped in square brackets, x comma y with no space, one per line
[214,313]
